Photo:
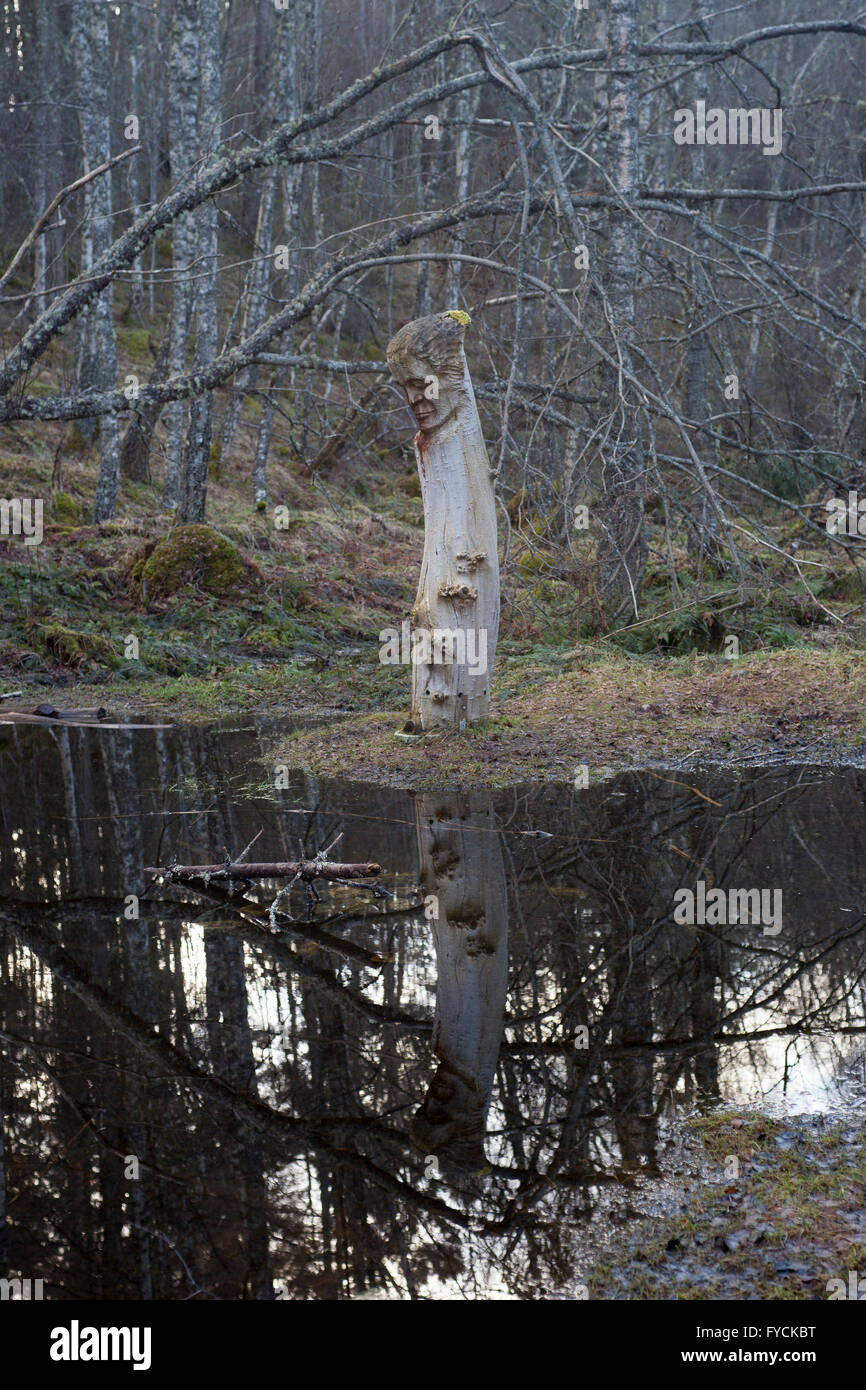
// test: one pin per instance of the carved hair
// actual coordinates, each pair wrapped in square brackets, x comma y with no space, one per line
[436,339]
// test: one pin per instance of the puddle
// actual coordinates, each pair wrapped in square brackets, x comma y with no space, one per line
[438,1100]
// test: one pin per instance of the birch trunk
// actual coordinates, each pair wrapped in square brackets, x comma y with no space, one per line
[137,441]
[463,876]
[86,356]
[183,101]
[90,46]
[467,110]
[292,221]
[703,539]
[285,88]
[282,105]
[44,43]
[458,591]
[136,46]
[772,214]
[622,542]
[196,458]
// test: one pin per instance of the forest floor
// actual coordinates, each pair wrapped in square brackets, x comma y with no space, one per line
[281,611]
[748,1206]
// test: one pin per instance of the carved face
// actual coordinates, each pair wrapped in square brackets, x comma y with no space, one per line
[432,399]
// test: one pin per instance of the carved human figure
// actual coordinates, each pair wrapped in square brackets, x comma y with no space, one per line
[455,618]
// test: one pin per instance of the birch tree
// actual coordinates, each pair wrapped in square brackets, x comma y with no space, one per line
[196,456]
[622,541]
[183,102]
[99,352]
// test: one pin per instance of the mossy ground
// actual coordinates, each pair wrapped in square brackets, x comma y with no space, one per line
[552,716]
[757,1208]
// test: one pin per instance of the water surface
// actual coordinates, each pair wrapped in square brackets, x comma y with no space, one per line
[392,1099]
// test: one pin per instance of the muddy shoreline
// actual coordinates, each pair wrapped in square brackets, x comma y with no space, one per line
[589,717]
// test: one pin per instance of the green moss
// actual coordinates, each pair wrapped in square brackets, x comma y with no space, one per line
[535,562]
[849,586]
[191,557]
[69,509]
[75,442]
[77,649]
[134,342]
[215,461]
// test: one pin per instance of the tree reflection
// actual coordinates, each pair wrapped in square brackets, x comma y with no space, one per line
[273,1084]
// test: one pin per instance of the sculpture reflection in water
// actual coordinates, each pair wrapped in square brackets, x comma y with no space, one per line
[462,874]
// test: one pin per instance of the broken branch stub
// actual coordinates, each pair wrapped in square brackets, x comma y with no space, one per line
[455,618]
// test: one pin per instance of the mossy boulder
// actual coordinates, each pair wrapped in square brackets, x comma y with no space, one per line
[191,557]
[74,649]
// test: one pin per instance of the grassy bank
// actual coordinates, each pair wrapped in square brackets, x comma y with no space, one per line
[551,716]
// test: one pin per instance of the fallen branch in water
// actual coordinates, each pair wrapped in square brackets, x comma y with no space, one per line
[298,871]
[303,870]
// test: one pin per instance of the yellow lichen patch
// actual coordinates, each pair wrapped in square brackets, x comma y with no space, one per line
[459,316]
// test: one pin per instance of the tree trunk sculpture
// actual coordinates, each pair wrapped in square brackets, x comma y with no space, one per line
[455,619]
